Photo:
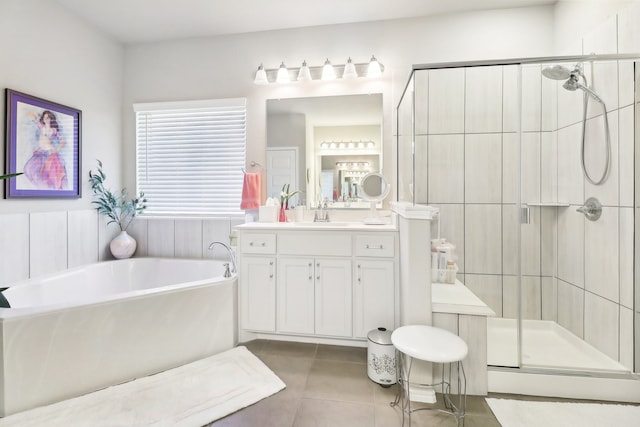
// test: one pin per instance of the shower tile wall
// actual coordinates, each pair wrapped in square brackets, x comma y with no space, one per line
[576,272]
[39,243]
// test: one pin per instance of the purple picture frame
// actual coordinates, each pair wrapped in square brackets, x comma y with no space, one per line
[43,143]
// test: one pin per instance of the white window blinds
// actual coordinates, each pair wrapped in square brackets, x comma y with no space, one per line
[190,156]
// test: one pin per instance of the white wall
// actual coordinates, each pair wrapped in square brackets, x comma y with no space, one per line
[225,66]
[48,53]
[575,18]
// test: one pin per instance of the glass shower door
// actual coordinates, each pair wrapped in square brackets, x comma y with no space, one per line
[575,282]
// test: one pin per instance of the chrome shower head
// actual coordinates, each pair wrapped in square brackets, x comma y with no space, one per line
[560,72]
[572,83]
[556,72]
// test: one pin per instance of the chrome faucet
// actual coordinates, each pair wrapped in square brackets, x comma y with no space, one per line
[322,215]
[232,256]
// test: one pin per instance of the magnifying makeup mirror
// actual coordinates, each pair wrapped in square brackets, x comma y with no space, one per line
[374,188]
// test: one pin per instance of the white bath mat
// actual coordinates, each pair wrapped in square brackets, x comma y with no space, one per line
[520,413]
[191,396]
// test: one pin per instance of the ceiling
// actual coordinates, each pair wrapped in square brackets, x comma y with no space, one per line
[138,21]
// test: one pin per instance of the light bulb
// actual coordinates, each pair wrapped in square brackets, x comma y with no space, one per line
[304,75]
[261,76]
[349,70]
[328,73]
[283,74]
[374,69]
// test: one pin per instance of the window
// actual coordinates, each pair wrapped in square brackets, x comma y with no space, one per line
[190,156]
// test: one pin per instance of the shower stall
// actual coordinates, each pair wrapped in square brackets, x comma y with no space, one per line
[532,163]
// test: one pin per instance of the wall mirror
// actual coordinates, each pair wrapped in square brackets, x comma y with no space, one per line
[324,146]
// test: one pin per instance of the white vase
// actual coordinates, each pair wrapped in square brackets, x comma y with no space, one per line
[123,245]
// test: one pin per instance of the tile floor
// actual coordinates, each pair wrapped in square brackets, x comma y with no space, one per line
[328,386]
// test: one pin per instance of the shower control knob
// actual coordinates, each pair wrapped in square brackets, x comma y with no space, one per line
[592,209]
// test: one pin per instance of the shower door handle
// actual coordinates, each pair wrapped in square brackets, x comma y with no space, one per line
[525,215]
[592,209]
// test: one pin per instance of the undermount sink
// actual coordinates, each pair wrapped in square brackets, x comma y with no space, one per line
[319,224]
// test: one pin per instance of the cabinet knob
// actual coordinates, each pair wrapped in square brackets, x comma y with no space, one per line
[318,278]
[264,244]
[271,263]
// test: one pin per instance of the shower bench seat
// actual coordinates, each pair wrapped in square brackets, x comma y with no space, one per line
[457,309]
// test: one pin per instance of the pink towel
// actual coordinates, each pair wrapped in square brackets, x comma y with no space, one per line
[251,191]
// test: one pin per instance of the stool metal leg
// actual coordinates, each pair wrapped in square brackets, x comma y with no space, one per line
[403,397]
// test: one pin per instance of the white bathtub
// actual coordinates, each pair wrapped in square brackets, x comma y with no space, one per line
[90,327]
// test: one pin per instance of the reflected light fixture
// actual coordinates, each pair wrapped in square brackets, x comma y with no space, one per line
[328,73]
[374,69]
[261,76]
[283,74]
[349,70]
[304,75]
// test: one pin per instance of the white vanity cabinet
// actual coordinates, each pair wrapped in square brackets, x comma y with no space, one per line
[333,307]
[372,296]
[314,296]
[329,284]
[258,281]
[296,295]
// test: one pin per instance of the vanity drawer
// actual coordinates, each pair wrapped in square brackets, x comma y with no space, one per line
[315,243]
[258,243]
[375,245]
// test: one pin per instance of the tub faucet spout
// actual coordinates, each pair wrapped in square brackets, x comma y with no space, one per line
[232,256]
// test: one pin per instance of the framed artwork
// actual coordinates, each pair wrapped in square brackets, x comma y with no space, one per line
[42,143]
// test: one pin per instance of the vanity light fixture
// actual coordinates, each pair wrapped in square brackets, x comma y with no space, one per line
[348,145]
[352,165]
[261,76]
[328,71]
[283,74]
[349,70]
[375,69]
[304,75]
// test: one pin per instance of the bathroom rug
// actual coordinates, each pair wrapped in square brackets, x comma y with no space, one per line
[522,413]
[192,395]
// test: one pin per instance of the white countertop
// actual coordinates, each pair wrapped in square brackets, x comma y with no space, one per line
[309,225]
[457,298]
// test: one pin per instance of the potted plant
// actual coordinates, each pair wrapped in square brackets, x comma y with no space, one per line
[119,209]
[11,175]
[285,195]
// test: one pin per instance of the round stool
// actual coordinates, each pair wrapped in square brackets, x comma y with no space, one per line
[438,346]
